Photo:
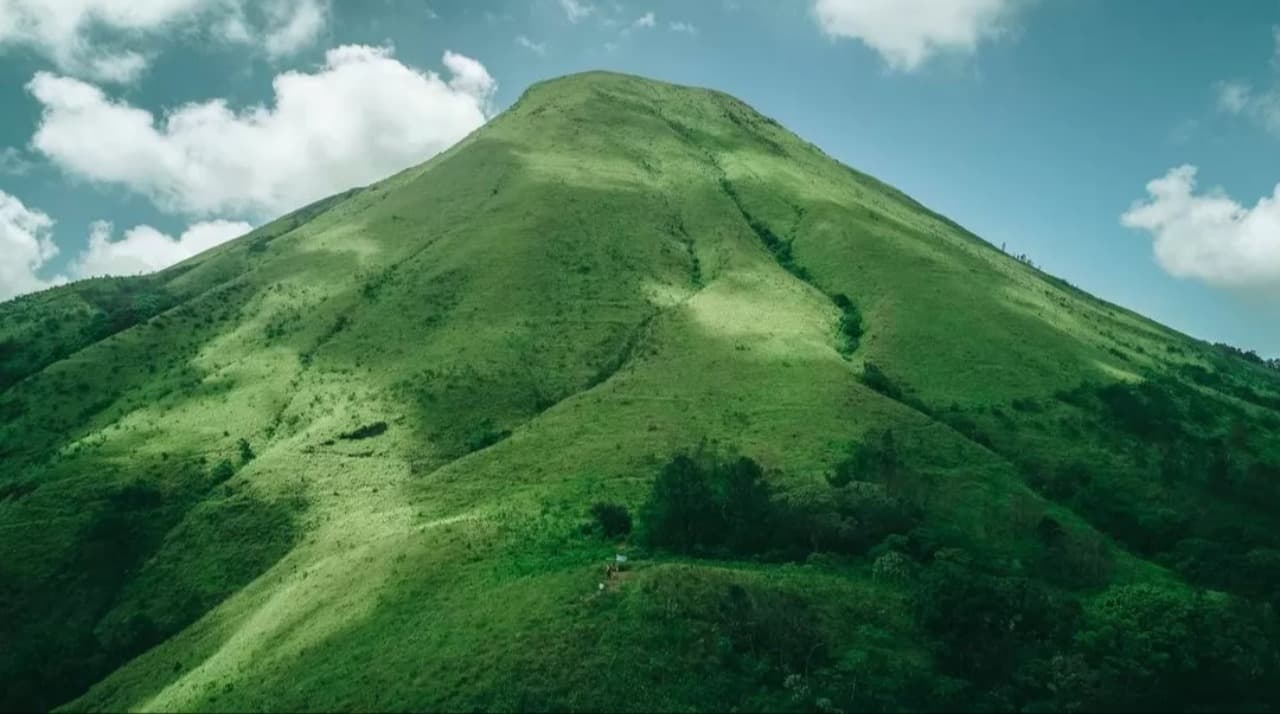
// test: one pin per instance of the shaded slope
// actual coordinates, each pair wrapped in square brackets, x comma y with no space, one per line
[609,272]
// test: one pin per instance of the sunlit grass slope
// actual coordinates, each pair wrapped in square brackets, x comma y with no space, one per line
[344,461]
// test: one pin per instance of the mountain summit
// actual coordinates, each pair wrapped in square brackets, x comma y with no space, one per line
[384,452]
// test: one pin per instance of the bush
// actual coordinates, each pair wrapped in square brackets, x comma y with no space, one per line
[701,504]
[874,459]
[851,328]
[875,378]
[365,432]
[484,435]
[614,520]
[988,629]
[246,451]
[223,471]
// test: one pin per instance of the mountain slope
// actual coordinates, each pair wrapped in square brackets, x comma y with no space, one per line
[344,462]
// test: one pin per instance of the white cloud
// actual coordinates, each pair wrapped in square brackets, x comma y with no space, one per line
[684,27]
[293,25]
[576,10]
[535,47]
[26,241]
[144,249]
[360,117]
[1209,236]
[99,39]
[646,20]
[906,33]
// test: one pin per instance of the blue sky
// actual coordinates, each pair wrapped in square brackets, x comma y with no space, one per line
[136,132]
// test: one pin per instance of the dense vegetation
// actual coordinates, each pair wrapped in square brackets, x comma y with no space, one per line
[378,454]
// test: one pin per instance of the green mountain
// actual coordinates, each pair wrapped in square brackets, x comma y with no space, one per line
[377,454]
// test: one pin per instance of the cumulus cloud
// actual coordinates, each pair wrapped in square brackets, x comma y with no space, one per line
[26,241]
[98,39]
[360,117]
[646,20]
[1209,236]
[907,33]
[144,249]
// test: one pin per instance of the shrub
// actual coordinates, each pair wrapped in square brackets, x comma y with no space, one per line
[223,471]
[246,451]
[701,504]
[484,435]
[614,520]
[874,459]
[875,378]
[851,328]
[365,432]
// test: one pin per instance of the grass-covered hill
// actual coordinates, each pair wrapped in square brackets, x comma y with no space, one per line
[377,454]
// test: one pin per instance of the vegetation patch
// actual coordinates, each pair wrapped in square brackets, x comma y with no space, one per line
[365,432]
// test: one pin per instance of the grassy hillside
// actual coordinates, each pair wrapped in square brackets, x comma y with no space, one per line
[349,461]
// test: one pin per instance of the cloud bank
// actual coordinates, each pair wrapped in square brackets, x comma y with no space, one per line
[101,39]
[360,117]
[1209,236]
[26,242]
[907,33]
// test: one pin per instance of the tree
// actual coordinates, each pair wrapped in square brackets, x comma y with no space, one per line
[745,506]
[614,520]
[680,513]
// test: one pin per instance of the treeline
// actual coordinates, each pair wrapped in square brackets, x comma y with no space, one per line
[1248,355]
[1035,638]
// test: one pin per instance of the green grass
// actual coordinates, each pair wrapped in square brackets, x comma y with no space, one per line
[609,273]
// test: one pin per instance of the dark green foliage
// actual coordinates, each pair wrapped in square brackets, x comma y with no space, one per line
[246,451]
[365,432]
[223,471]
[851,327]
[1156,648]
[484,435]
[875,459]
[1147,410]
[776,630]
[1246,355]
[989,629]
[705,505]
[846,520]
[58,656]
[613,520]
[778,246]
[95,616]
[84,313]
[681,513]
[874,377]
